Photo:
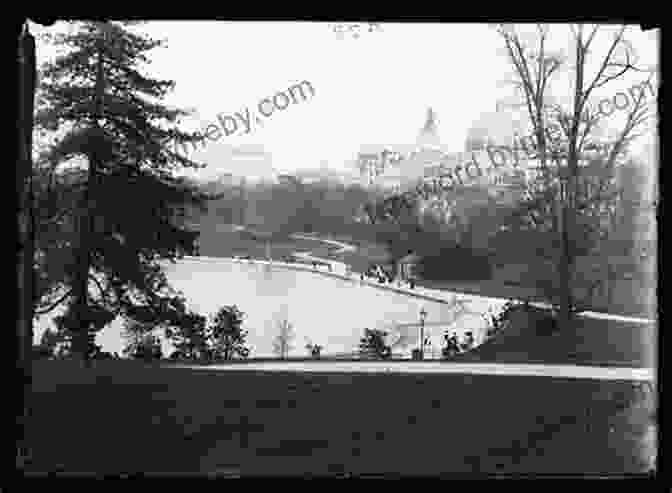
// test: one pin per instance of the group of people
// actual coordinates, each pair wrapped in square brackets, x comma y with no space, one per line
[316,264]
[377,272]
[383,277]
[454,346]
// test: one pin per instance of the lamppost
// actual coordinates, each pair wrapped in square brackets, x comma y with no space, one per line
[423,315]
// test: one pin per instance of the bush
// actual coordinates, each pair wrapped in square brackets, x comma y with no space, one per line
[190,338]
[469,342]
[451,347]
[227,335]
[314,350]
[147,349]
[500,321]
[372,345]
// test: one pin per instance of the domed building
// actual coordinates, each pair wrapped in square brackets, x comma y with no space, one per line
[415,161]
[428,138]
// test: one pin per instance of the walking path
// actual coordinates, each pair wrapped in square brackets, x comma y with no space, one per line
[643,375]
[436,292]
[344,246]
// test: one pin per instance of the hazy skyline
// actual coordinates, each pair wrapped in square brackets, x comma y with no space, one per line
[373,90]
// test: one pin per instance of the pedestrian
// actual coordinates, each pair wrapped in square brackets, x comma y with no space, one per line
[454,343]
[470,340]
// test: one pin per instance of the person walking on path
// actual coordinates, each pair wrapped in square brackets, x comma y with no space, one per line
[454,343]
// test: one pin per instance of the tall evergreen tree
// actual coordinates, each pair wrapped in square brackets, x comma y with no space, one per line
[115,131]
[26,244]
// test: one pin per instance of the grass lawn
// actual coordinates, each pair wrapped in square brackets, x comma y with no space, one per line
[125,416]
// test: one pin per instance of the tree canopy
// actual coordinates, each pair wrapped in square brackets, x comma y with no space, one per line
[109,199]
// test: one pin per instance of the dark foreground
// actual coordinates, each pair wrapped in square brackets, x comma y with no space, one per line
[127,417]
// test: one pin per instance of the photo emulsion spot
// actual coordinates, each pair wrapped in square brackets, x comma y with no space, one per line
[342,261]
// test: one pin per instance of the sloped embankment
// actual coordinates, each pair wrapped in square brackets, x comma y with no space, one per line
[527,338]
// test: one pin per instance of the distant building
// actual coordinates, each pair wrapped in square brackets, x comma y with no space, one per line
[408,267]
[399,167]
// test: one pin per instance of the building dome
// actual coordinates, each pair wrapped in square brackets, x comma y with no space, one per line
[429,135]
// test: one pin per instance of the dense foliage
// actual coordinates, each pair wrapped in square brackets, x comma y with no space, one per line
[190,338]
[455,263]
[227,335]
[110,205]
[223,339]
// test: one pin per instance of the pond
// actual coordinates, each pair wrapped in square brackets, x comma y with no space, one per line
[326,310]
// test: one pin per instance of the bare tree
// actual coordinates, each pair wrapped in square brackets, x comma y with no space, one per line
[564,135]
[282,343]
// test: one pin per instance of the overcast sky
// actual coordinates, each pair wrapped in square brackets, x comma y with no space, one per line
[370,89]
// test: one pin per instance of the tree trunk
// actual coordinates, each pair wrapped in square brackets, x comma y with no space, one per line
[565,271]
[25,252]
[86,226]
[80,284]
[567,260]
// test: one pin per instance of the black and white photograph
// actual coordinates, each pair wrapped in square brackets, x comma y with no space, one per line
[348,249]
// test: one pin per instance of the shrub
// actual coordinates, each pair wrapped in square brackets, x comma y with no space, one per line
[469,342]
[190,338]
[451,347]
[372,345]
[227,335]
[147,348]
[314,350]
[499,322]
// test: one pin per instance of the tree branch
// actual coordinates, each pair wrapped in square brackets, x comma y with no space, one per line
[104,294]
[617,39]
[54,305]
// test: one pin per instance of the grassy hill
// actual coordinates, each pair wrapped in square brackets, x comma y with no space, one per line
[590,341]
